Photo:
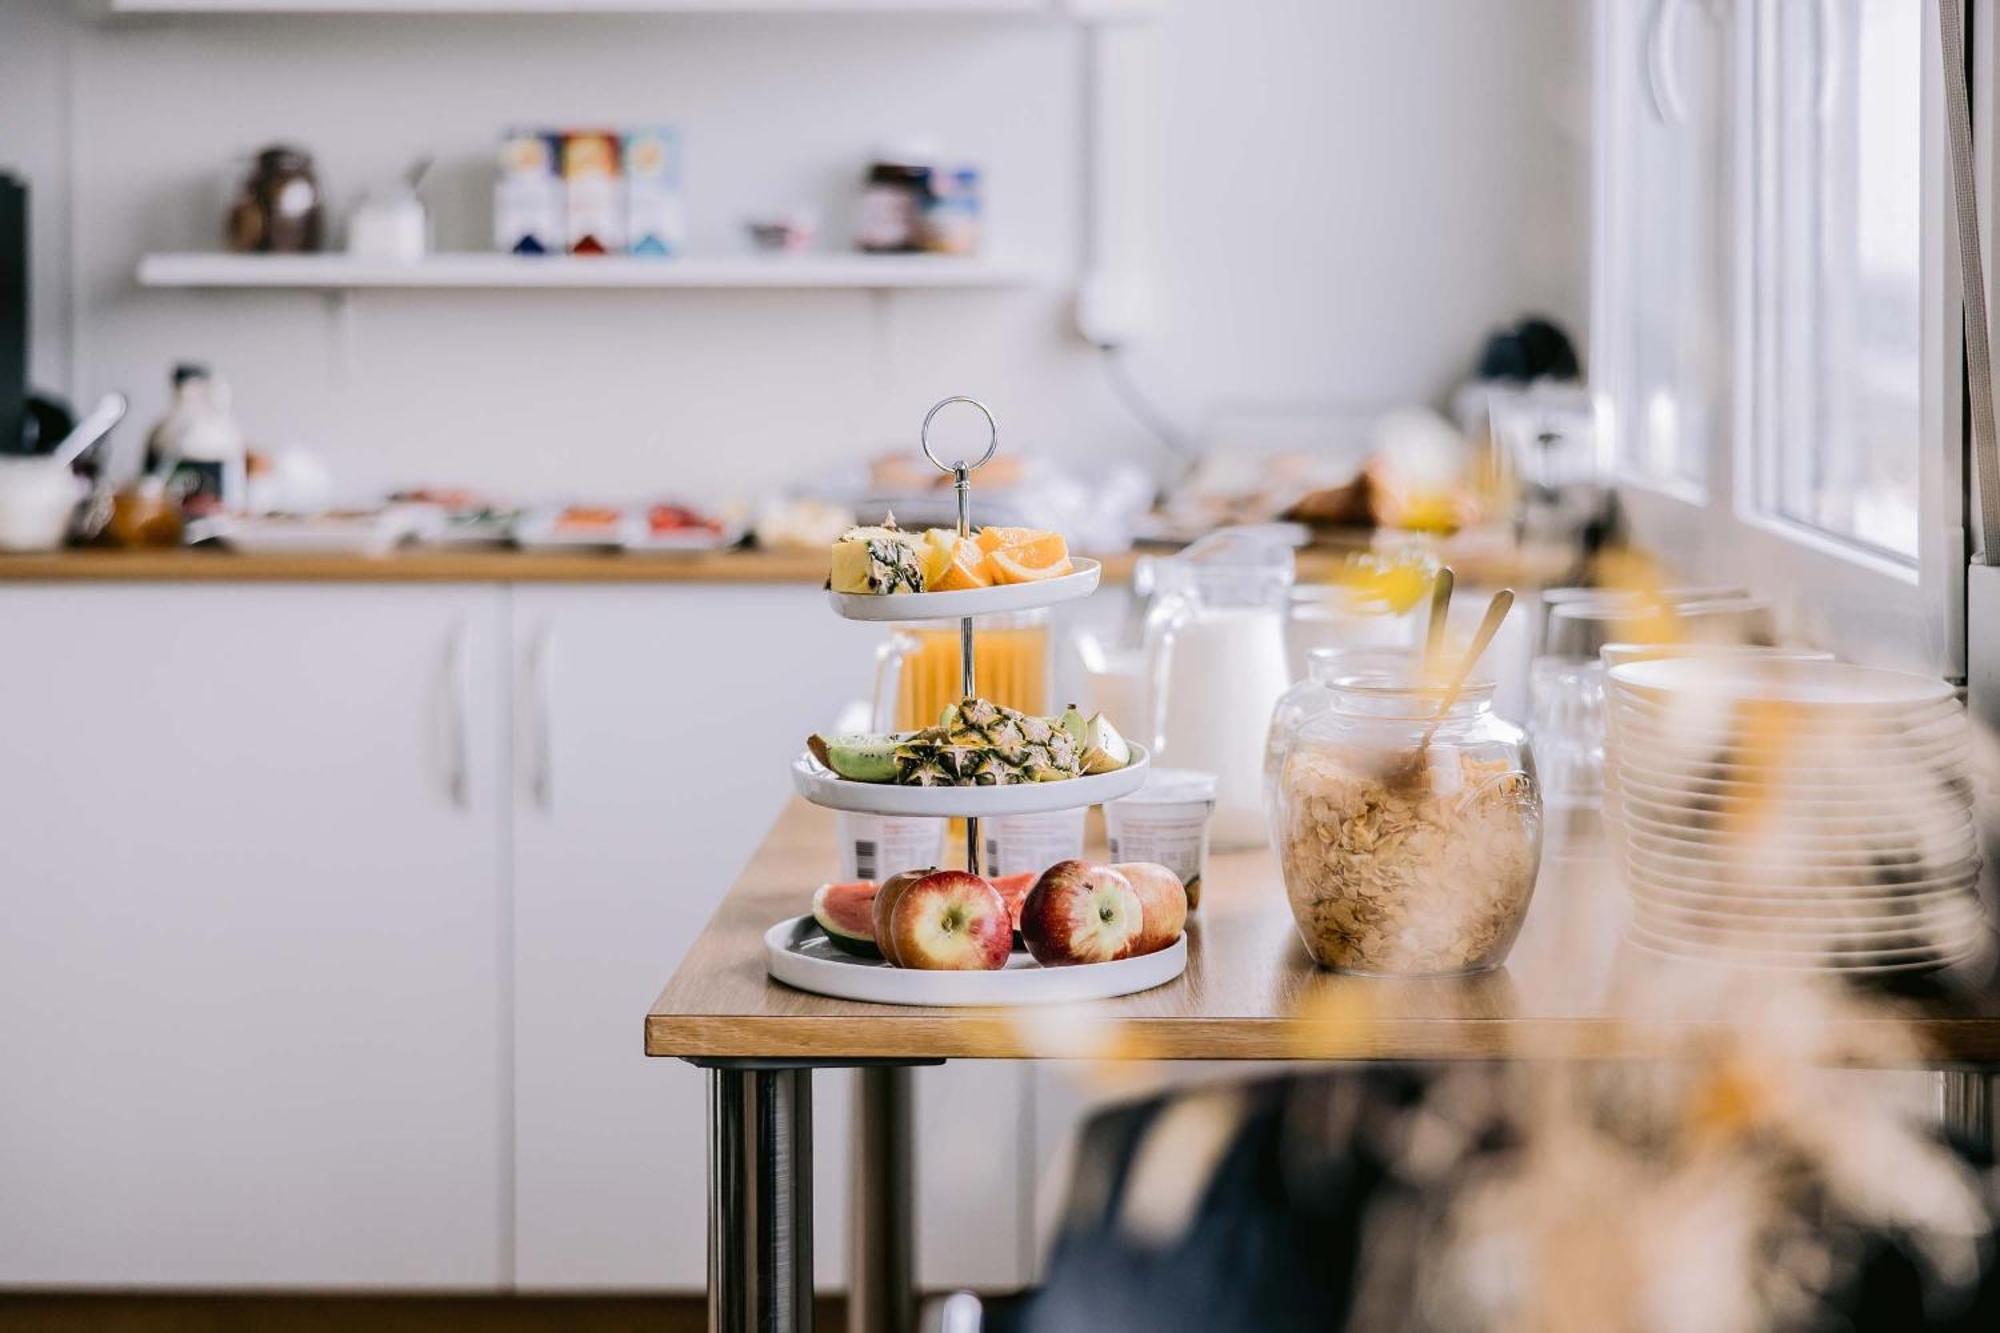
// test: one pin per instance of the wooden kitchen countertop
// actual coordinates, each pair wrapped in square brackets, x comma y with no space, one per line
[508,565]
[497,565]
[1572,989]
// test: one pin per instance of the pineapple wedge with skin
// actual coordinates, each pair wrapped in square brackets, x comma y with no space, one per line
[978,743]
[878,561]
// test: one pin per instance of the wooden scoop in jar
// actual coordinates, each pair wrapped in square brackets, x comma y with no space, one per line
[1413,765]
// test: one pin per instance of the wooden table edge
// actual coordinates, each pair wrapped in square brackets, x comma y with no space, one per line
[976,1034]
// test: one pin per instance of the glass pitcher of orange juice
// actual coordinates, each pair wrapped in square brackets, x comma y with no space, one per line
[917,670]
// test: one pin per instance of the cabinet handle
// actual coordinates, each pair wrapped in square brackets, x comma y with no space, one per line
[1828,13]
[1662,78]
[541,669]
[458,683]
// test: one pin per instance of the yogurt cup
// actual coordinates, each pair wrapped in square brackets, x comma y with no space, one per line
[1016,844]
[1166,821]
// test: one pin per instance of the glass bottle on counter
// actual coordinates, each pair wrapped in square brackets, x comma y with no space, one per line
[1401,857]
[198,447]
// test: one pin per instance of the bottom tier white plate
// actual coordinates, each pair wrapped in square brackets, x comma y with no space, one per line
[799,954]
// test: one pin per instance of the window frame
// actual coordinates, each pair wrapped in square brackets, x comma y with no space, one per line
[1844,595]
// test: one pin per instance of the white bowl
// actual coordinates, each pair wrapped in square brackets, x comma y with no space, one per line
[1805,954]
[1798,782]
[1800,836]
[38,497]
[1826,686]
[1651,876]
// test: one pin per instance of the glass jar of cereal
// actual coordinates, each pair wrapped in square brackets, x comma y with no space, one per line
[1401,856]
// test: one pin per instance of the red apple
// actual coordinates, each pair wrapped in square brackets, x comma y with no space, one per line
[1080,912]
[1162,901]
[950,921]
[885,903]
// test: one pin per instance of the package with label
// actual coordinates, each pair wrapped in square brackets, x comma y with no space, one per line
[528,195]
[594,190]
[655,219]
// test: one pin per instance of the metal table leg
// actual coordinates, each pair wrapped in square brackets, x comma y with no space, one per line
[1966,1106]
[881,1266]
[760,1267]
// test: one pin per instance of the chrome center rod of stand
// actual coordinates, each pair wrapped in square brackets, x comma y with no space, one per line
[961,484]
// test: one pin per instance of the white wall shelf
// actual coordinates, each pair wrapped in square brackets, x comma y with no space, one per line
[1082,10]
[339,272]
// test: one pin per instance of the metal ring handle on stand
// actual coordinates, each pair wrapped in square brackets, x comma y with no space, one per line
[961,474]
[992,436]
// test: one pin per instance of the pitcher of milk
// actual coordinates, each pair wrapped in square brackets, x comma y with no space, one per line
[1215,665]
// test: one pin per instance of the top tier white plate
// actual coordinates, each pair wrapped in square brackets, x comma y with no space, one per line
[1825,685]
[822,786]
[1079,582]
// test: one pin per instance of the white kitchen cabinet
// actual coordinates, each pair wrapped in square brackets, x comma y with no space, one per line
[654,726]
[252,936]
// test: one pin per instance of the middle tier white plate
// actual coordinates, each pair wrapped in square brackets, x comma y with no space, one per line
[1081,581]
[822,786]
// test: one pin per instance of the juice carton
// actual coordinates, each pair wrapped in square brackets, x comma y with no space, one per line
[528,195]
[655,219]
[595,193]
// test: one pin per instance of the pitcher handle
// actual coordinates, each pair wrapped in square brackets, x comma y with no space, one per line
[889,658]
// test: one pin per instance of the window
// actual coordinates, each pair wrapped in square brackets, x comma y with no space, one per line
[1839,236]
[1670,260]
[1774,341]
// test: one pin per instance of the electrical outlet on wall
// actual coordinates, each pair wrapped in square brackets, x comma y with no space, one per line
[1112,310]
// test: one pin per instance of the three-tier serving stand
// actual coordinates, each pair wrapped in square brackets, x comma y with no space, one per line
[797,954]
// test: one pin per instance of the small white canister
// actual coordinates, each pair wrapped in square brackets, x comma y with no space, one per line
[1166,821]
[878,846]
[1030,844]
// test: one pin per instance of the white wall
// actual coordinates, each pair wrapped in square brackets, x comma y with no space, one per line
[1351,194]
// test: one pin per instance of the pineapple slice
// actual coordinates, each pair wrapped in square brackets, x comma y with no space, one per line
[877,560]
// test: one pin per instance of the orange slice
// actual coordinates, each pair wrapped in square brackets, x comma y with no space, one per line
[1045,557]
[966,570]
[996,539]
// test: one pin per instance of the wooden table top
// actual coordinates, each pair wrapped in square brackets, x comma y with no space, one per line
[1491,563]
[1572,989]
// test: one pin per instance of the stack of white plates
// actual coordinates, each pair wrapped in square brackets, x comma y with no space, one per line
[1794,814]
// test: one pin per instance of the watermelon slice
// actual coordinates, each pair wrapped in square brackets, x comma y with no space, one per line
[1014,888]
[846,912]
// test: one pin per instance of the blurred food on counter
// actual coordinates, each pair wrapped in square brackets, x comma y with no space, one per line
[143,515]
[465,518]
[787,524]
[374,531]
[279,209]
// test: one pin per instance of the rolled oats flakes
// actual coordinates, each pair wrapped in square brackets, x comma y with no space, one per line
[1407,877]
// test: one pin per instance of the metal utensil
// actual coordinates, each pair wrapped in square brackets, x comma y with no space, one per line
[1411,766]
[110,410]
[1434,632]
[1489,625]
